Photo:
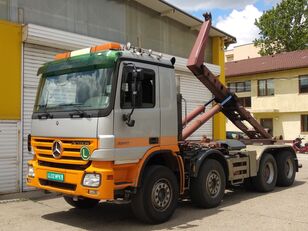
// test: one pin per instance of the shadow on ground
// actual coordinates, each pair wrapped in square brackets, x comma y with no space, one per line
[119,217]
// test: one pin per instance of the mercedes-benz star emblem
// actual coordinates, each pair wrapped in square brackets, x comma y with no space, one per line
[57,149]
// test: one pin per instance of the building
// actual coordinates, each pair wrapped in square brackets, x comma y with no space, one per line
[245,51]
[33,31]
[275,90]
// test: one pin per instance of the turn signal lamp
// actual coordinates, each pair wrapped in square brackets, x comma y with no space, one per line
[103,47]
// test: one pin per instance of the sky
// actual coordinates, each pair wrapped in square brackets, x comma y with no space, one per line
[235,17]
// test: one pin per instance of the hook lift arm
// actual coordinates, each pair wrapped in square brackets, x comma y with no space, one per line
[229,102]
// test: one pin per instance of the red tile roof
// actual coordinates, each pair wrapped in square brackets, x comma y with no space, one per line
[271,63]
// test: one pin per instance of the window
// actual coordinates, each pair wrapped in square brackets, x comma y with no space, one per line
[303,84]
[267,124]
[245,101]
[86,90]
[145,88]
[232,87]
[266,87]
[247,86]
[240,86]
[4,9]
[304,123]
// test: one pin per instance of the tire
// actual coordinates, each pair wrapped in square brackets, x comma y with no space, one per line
[286,169]
[81,203]
[266,179]
[156,199]
[202,191]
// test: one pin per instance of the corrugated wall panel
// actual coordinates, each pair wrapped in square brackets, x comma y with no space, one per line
[34,57]
[8,157]
[196,94]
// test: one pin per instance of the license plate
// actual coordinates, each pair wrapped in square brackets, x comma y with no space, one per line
[55,176]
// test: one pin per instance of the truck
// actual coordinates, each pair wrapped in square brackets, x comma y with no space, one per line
[107,125]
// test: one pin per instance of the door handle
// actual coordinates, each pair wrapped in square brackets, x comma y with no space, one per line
[153,140]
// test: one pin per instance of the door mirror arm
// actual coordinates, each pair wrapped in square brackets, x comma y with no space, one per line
[134,92]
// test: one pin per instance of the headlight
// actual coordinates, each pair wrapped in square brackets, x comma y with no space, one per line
[91,180]
[31,171]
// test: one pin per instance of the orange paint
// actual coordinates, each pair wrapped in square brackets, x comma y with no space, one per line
[130,173]
[106,46]
[114,176]
[168,140]
[71,149]
[62,55]
[74,177]
[144,141]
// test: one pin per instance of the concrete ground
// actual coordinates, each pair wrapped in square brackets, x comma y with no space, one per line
[283,209]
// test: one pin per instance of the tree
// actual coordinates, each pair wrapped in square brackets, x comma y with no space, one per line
[283,28]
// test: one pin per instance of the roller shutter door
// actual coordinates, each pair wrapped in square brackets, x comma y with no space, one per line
[195,94]
[9,166]
[34,57]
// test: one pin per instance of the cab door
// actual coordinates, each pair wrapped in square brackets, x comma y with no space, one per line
[132,142]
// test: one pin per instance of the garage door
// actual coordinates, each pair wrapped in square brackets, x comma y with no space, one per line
[9,157]
[195,94]
[34,57]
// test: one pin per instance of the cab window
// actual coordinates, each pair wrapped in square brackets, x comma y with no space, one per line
[145,89]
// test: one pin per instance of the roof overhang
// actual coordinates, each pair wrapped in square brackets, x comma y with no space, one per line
[166,9]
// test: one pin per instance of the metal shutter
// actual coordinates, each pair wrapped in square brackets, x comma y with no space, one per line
[9,169]
[34,57]
[195,94]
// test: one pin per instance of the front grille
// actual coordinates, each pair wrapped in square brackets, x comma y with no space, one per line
[60,185]
[63,157]
[64,166]
[71,149]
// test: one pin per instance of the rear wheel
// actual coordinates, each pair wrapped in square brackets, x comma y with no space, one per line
[81,203]
[157,198]
[286,168]
[266,178]
[207,190]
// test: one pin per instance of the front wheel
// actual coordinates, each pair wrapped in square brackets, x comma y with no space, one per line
[81,203]
[266,178]
[207,190]
[157,198]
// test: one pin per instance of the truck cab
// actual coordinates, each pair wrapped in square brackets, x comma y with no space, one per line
[99,114]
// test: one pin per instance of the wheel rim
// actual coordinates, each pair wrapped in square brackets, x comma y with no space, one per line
[289,168]
[213,183]
[269,172]
[161,194]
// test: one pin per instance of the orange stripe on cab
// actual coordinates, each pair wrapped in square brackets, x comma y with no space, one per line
[144,141]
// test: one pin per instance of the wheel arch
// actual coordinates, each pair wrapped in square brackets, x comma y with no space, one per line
[165,158]
[209,154]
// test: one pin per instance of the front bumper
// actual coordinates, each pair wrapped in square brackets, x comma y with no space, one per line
[72,184]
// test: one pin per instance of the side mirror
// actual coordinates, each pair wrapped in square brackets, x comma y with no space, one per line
[137,76]
[134,92]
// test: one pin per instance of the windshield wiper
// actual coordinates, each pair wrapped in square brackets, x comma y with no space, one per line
[78,113]
[45,114]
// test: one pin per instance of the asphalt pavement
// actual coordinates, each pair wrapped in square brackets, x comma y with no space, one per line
[282,209]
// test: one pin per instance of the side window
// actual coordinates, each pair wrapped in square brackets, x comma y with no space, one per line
[145,88]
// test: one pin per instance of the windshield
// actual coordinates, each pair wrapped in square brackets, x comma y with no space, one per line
[85,90]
